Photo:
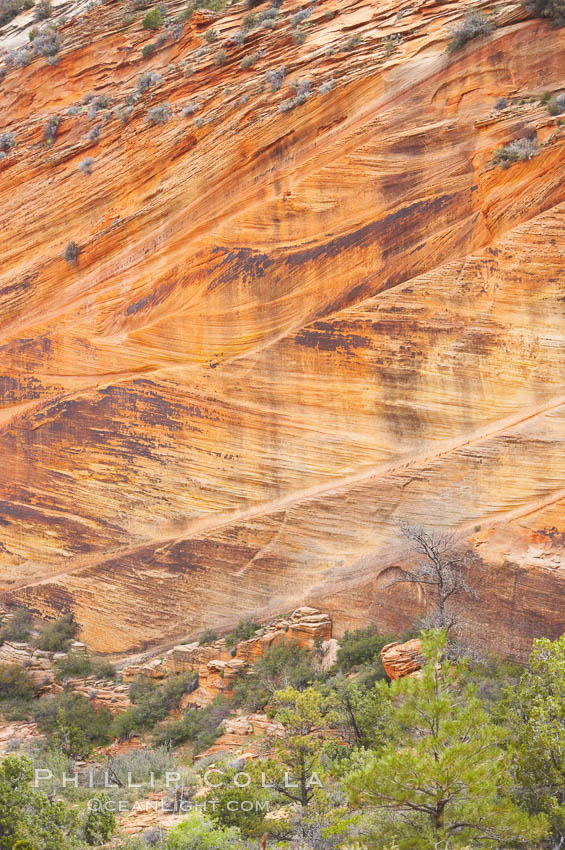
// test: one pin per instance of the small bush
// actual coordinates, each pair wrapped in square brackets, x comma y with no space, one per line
[56,636]
[7,141]
[72,723]
[519,150]
[148,50]
[47,42]
[18,627]
[244,630]
[252,4]
[282,665]
[159,114]
[275,78]
[208,635]
[474,25]
[211,35]
[15,683]
[552,9]
[327,86]
[94,134]
[299,37]
[71,252]
[361,647]
[9,9]
[42,10]
[96,104]
[501,103]
[220,57]
[153,19]
[100,823]
[249,60]
[148,79]
[200,726]
[556,105]
[303,15]
[50,129]
[152,703]
[351,43]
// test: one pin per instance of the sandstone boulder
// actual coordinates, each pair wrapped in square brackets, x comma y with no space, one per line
[402,659]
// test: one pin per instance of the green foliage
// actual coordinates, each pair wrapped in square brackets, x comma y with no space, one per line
[56,636]
[552,9]
[72,723]
[10,8]
[15,683]
[519,150]
[100,822]
[211,5]
[200,726]
[77,665]
[18,627]
[198,832]
[243,808]
[442,777]
[245,629]
[360,647]
[208,636]
[153,19]
[306,717]
[474,25]
[152,703]
[535,715]
[284,664]
[27,817]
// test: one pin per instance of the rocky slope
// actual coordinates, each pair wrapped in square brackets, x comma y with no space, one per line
[297,318]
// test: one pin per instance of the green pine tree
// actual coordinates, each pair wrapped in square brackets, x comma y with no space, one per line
[446,784]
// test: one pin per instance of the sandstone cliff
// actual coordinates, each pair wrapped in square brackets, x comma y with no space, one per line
[287,329]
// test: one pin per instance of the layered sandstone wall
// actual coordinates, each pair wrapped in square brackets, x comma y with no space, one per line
[286,331]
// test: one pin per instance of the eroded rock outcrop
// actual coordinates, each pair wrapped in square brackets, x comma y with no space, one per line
[296,317]
[402,659]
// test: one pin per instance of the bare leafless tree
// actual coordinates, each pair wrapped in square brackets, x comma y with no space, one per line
[440,571]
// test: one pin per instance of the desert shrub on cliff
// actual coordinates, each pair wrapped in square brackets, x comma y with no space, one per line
[56,636]
[200,726]
[85,165]
[42,10]
[148,79]
[244,630]
[249,60]
[17,627]
[17,690]
[7,141]
[159,114]
[519,150]
[78,666]
[70,722]
[153,19]
[283,665]
[556,105]
[71,252]
[10,8]
[360,647]
[152,703]
[474,25]
[208,635]
[50,129]
[552,9]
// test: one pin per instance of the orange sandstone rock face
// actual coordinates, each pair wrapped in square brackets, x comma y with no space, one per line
[402,659]
[287,330]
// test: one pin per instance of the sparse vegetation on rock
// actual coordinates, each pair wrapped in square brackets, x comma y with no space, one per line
[474,25]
